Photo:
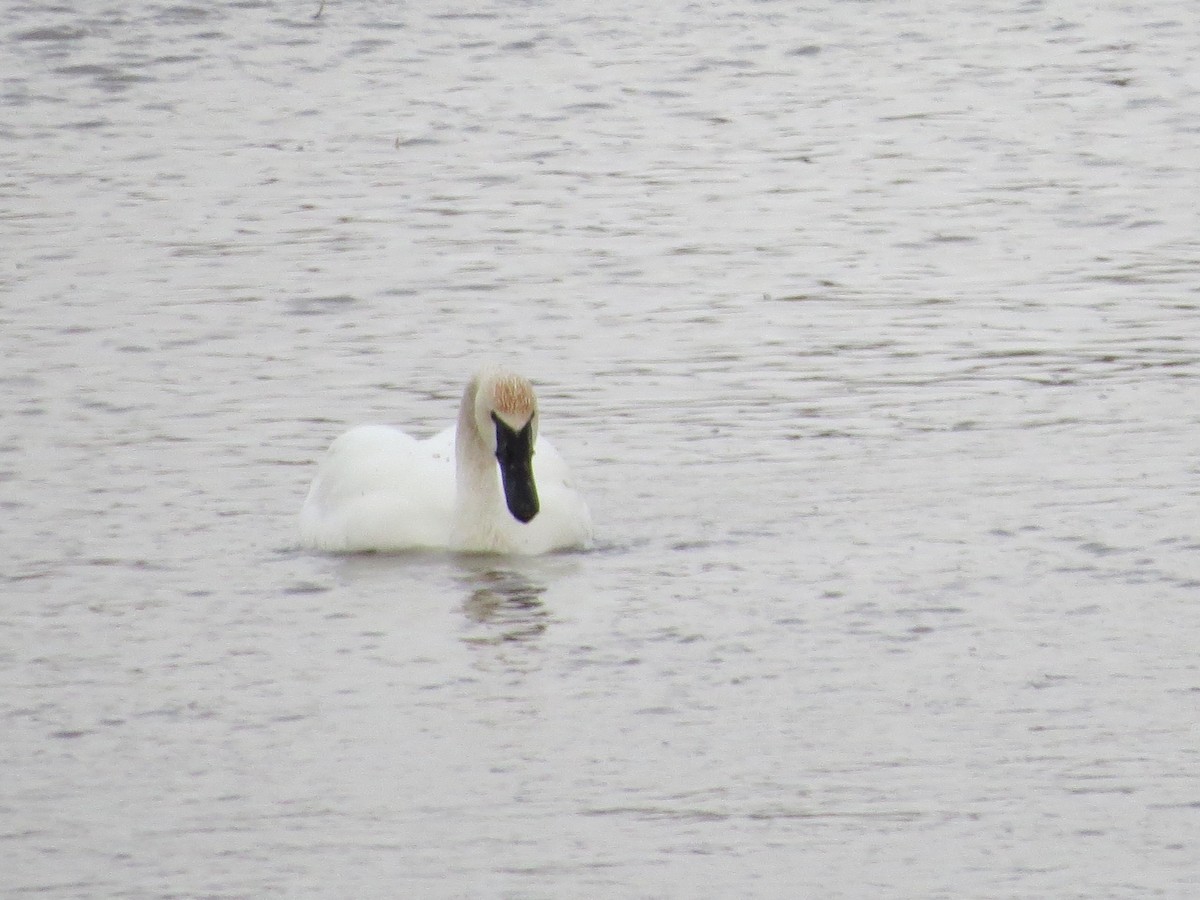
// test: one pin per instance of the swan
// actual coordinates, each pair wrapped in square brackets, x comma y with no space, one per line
[488,484]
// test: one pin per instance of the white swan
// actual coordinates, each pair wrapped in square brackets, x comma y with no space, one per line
[488,484]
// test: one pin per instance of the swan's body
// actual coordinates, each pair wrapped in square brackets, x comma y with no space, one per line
[487,484]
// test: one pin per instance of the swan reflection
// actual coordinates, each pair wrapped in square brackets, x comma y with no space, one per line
[506,605]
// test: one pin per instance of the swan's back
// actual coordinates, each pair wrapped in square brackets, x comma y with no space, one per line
[380,489]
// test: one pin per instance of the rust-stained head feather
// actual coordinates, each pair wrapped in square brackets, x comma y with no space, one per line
[513,397]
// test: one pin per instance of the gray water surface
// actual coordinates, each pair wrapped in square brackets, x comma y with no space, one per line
[872,331]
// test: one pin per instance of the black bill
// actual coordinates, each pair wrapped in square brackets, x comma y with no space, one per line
[514,452]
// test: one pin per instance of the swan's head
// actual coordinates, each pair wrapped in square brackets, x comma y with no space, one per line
[506,417]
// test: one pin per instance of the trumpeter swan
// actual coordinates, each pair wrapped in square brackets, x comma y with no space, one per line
[488,484]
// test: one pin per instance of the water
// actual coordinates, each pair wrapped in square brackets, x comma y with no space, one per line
[872,331]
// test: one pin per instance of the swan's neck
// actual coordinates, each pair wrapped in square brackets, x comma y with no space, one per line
[477,484]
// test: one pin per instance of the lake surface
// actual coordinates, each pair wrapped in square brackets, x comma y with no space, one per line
[871,330]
